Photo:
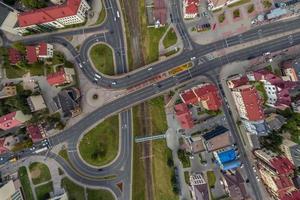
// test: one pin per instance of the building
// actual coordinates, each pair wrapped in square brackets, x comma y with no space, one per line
[160,13]
[36,103]
[276,173]
[216,139]
[11,191]
[291,68]
[68,102]
[52,18]
[249,106]
[14,56]
[59,78]
[45,50]
[199,187]
[36,132]
[276,13]
[208,95]
[195,144]
[190,9]
[8,90]
[184,116]
[218,4]
[13,119]
[189,97]
[227,159]
[236,81]
[8,18]
[7,143]
[277,90]
[291,150]
[275,121]
[31,55]
[235,186]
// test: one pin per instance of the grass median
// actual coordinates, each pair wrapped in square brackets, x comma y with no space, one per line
[25,182]
[43,191]
[102,58]
[100,194]
[74,191]
[100,145]
[170,38]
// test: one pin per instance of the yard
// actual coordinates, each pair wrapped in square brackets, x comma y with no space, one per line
[100,145]
[99,194]
[74,191]
[102,58]
[39,173]
[170,38]
[25,182]
[211,178]
[42,191]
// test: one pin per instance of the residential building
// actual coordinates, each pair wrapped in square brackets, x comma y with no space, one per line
[208,95]
[7,143]
[195,144]
[227,158]
[54,17]
[8,90]
[68,102]
[59,78]
[13,119]
[217,139]
[190,8]
[277,90]
[235,186]
[11,191]
[36,132]
[199,187]
[36,103]
[236,81]
[45,50]
[31,55]
[184,116]
[275,121]
[14,56]
[160,13]
[276,173]
[189,97]
[291,150]
[8,18]
[249,106]
[291,68]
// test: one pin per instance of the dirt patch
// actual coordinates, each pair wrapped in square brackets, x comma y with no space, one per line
[35,173]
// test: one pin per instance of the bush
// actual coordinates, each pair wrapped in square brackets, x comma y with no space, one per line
[221,17]
[267,4]
[236,13]
[250,8]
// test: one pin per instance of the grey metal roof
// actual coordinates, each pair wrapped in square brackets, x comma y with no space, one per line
[4,11]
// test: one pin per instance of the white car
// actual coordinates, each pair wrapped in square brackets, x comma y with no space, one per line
[149,69]
[95,79]
[98,76]
[267,54]
[114,83]
[254,169]
[80,65]
[118,14]
[193,58]
[257,178]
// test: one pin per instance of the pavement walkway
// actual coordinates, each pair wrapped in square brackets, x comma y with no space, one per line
[178,45]
[94,13]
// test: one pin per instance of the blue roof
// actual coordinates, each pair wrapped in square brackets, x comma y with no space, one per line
[227,156]
[231,165]
[217,131]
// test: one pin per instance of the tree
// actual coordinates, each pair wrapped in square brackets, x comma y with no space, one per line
[272,142]
[33,3]
[20,47]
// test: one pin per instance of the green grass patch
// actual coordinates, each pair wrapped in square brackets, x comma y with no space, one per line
[211,178]
[250,8]
[43,191]
[102,58]
[99,194]
[267,4]
[238,3]
[187,177]
[170,38]
[40,173]
[64,154]
[158,115]
[172,52]
[74,191]
[25,182]
[102,15]
[163,188]
[184,158]
[100,145]
[236,13]
[260,88]
[221,17]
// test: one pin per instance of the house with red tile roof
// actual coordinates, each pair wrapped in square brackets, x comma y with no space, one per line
[44,50]
[13,119]
[208,95]
[236,81]
[14,56]
[277,90]
[59,78]
[190,8]
[31,56]
[7,143]
[54,17]
[159,13]
[36,132]
[189,97]
[291,195]
[184,116]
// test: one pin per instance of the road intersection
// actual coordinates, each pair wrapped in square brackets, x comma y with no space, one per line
[111,32]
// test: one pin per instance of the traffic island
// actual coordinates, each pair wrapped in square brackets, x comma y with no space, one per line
[100,145]
[103,59]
